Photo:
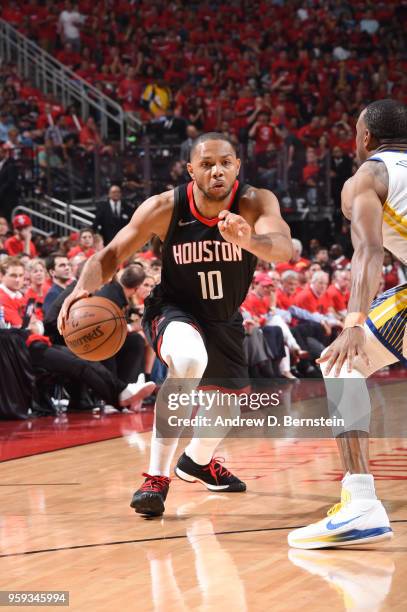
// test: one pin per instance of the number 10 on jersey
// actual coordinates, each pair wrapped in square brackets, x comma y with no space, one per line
[211,285]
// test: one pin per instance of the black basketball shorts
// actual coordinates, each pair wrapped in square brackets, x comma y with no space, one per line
[227,366]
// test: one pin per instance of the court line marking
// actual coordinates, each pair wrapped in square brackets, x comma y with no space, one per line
[62,448]
[163,538]
[40,484]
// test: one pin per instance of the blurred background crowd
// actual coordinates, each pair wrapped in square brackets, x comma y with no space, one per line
[285,80]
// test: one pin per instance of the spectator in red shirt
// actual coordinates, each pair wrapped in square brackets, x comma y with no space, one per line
[91,139]
[296,263]
[338,259]
[392,272]
[38,286]
[339,291]
[11,297]
[290,288]
[86,246]
[69,57]
[129,91]
[257,302]
[21,241]
[264,132]
[314,298]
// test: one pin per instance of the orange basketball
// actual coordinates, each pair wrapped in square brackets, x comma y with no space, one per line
[96,328]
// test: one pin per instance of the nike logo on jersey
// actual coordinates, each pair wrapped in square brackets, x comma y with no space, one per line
[181,223]
[331,525]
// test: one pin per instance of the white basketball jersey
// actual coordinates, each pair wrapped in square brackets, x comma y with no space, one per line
[395,207]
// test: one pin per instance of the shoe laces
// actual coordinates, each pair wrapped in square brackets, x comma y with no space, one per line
[345,499]
[216,468]
[154,483]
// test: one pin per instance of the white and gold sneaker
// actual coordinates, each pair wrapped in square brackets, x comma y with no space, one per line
[352,521]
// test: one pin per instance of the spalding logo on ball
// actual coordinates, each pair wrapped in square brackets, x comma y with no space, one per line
[96,328]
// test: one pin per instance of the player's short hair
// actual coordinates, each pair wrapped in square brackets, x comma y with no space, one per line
[132,277]
[210,136]
[387,120]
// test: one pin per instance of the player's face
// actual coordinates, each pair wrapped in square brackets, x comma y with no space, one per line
[214,168]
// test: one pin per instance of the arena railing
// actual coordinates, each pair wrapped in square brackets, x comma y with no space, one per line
[53,216]
[51,77]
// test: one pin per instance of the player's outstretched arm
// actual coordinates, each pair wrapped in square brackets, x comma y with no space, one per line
[152,217]
[260,228]
[361,202]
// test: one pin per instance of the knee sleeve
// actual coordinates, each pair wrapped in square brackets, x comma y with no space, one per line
[184,351]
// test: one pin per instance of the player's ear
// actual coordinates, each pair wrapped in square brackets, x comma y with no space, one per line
[371,142]
[190,170]
[238,164]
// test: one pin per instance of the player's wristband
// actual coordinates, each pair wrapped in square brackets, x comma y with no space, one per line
[354,319]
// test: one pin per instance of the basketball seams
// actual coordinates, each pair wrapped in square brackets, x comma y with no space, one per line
[112,318]
[98,346]
[112,313]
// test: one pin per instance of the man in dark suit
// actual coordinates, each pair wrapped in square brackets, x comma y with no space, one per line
[8,183]
[112,215]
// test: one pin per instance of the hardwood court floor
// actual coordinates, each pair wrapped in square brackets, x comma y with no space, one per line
[66,524]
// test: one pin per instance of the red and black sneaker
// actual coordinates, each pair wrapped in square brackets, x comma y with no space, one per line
[150,497]
[214,476]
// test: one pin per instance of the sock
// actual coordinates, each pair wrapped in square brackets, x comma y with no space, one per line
[201,450]
[162,452]
[147,376]
[360,486]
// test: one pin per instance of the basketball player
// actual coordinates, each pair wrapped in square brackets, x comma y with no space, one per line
[375,200]
[212,230]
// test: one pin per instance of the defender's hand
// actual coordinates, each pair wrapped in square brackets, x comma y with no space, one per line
[346,347]
[235,229]
[64,312]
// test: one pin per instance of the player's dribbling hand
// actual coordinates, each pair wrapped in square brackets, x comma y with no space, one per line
[234,228]
[64,312]
[349,344]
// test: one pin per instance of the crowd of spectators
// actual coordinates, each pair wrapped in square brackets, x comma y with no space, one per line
[285,79]
[291,312]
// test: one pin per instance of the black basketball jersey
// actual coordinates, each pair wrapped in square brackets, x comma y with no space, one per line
[202,273]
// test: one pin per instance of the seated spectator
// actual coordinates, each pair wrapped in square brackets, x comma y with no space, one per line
[4,229]
[86,244]
[21,241]
[11,296]
[57,132]
[296,263]
[142,292]
[91,139]
[314,298]
[60,272]
[393,273]
[38,285]
[290,288]
[338,259]
[322,257]
[339,292]
[260,304]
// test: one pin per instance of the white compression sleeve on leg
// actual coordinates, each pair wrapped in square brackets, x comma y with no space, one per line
[184,352]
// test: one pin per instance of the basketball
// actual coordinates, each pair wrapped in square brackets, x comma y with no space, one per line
[96,328]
